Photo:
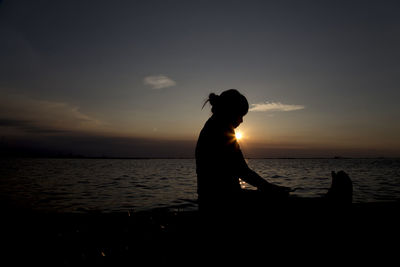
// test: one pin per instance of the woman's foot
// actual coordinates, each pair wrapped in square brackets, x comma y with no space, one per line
[341,190]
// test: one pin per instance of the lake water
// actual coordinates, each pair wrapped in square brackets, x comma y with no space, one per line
[115,185]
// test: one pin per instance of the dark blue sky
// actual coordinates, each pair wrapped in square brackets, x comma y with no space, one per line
[322,77]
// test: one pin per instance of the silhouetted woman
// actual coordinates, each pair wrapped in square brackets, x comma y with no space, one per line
[220,162]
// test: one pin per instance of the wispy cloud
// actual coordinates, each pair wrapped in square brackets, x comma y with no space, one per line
[159,81]
[29,126]
[274,106]
[30,115]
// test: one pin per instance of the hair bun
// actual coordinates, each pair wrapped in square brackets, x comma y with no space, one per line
[213,98]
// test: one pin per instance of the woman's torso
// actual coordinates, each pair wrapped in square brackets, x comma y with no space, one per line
[218,158]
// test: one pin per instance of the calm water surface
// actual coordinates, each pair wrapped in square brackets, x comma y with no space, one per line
[109,185]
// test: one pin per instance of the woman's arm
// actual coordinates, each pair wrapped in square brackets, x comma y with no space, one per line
[251,177]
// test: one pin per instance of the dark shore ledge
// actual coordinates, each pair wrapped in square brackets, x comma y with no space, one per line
[164,236]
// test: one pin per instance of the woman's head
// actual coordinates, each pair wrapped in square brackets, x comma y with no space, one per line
[230,105]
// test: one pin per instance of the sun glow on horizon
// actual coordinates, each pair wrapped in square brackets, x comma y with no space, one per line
[238,135]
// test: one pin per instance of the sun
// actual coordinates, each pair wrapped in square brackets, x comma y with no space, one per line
[238,135]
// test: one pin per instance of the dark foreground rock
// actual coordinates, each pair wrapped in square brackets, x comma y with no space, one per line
[287,234]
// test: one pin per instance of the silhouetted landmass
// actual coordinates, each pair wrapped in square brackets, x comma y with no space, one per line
[93,146]
[23,149]
[34,154]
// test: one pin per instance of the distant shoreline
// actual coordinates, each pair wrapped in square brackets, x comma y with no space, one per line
[148,158]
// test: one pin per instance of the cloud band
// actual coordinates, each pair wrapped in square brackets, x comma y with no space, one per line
[274,106]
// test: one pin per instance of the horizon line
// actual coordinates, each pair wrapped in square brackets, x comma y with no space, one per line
[145,158]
